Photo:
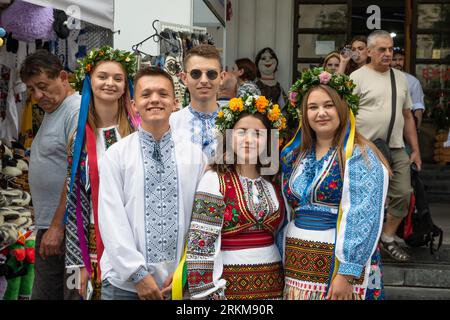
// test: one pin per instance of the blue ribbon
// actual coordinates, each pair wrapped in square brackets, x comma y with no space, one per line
[288,152]
[130,86]
[79,138]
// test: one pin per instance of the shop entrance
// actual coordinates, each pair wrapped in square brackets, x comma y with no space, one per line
[324,26]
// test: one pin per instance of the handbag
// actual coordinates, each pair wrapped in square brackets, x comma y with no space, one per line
[383,145]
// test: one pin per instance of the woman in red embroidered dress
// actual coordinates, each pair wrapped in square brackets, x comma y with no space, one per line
[231,250]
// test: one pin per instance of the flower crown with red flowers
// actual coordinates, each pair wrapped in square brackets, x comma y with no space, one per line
[313,77]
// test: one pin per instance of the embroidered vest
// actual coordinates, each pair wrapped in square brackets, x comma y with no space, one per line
[238,219]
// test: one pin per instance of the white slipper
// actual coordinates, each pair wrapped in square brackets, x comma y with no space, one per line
[22,165]
[10,192]
[23,201]
[12,171]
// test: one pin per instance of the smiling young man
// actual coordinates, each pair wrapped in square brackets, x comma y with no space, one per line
[202,75]
[147,186]
[373,86]
[48,83]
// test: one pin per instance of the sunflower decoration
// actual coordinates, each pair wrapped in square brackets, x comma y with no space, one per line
[314,77]
[105,53]
[249,104]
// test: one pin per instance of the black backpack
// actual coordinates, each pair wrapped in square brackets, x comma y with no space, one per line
[417,228]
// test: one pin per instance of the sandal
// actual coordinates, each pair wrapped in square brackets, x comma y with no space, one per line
[395,251]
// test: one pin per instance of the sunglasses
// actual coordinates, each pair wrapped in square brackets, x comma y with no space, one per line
[197,74]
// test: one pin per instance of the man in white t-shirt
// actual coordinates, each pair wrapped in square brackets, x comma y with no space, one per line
[373,86]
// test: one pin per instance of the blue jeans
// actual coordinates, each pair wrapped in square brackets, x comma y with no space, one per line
[110,292]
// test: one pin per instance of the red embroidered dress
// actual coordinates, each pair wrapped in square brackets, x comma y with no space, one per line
[231,248]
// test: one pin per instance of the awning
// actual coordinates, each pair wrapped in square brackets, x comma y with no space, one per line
[98,12]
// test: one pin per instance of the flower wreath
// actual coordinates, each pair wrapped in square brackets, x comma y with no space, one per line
[314,77]
[227,117]
[105,53]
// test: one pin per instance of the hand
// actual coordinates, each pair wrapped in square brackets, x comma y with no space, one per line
[147,289]
[167,287]
[345,59]
[84,278]
[51,242]
[415,157]
[340,289]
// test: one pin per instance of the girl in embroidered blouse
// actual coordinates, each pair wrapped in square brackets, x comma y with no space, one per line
[103,120]
[335,183]
[231,250]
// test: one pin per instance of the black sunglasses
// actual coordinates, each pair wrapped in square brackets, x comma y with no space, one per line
[197,74]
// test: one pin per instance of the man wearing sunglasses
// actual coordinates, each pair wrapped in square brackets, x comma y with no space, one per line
[202,76]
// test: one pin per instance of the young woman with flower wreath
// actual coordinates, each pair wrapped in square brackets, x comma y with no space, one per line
[106,116]
[231,251]
[335,185]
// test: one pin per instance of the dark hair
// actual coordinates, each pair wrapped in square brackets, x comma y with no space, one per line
[205,51]
[259,55]
[359,38]
[399,50]
[352,66]
[249,68]
[222,165]
[39,62]
[153,72]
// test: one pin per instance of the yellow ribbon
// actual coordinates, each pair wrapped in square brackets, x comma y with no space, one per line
[177,282]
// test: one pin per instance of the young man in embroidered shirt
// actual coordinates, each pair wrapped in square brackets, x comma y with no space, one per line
[147,186]
[202,76]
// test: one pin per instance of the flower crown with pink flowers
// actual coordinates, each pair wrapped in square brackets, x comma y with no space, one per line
[314,77]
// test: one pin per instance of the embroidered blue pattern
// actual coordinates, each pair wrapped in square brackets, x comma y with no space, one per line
[316,185]
[202,126]
[161,197]
[363,221]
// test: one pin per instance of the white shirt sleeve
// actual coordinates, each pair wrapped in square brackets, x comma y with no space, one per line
[114,225]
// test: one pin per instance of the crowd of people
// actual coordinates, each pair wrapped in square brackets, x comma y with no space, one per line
[141,201]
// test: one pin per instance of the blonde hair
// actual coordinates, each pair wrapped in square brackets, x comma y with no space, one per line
[123,113]
[332,54]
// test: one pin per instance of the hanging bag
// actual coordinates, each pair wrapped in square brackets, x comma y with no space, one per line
[383,145]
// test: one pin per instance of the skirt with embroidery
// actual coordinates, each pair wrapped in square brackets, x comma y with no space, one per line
[95,276]
[253,274]
[308,261]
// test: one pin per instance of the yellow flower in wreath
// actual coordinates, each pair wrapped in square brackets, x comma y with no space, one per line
[220,115]
[261,104]
[236,104]
[275,113]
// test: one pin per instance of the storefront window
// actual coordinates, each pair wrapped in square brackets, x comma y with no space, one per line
[433,76]
[432,16]
[319,45]
[433,46]
[322,16]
